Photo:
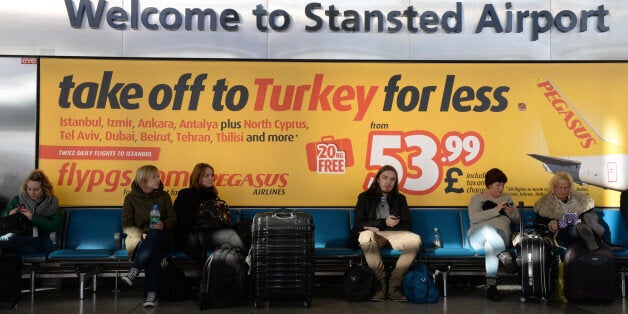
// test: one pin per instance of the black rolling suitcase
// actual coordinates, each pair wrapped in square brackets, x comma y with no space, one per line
[282,257]
[590,276]
[538,268]
[10,274]
[538,265]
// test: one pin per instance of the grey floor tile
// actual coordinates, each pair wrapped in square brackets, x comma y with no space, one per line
[62,297]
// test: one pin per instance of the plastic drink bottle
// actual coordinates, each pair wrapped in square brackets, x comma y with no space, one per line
[437,241]
[154,216]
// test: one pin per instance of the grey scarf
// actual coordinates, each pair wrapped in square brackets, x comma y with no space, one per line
[45,208]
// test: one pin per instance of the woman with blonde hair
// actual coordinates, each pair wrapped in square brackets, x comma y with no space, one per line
[145,245]
[568,214]
[38,204]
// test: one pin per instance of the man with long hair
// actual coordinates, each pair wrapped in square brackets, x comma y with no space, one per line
[382,219]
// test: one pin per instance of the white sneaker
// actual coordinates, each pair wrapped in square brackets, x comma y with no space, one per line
[151,301]
[130,276]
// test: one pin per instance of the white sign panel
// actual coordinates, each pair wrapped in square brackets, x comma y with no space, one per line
[302,29]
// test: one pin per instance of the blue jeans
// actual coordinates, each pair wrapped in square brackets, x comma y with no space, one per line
[148,256]
[493,242]
[13,243]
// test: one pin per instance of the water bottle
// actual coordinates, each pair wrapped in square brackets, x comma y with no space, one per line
[437,242]
[154,216]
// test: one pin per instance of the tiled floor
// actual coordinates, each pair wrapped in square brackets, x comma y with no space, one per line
[464,296]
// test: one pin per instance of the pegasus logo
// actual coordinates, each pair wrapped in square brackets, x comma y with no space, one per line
[570,118]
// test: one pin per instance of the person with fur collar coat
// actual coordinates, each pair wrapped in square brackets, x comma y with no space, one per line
[568,214]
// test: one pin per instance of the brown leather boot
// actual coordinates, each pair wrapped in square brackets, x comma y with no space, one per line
[380,290]
[394,288]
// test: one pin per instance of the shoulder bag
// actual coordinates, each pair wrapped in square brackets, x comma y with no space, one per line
[16,224]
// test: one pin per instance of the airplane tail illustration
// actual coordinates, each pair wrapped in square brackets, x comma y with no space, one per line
[567,132]
[573,144]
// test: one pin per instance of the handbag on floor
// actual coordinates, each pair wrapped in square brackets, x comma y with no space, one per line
[172,283]
[418,285]
[358,282]
[10,273]
[559,286]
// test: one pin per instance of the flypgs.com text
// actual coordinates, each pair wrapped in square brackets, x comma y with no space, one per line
[83,179]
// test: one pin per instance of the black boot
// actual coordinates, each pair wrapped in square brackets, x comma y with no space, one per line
[492,293]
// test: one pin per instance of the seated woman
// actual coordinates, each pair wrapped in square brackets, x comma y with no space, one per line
[39,205]
[382,219]
[147,246]
[190,234]
[568,214]
[491,214]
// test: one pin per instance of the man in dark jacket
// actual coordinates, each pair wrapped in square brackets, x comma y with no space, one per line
[382,219]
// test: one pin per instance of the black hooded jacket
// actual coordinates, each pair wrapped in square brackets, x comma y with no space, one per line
[365,214]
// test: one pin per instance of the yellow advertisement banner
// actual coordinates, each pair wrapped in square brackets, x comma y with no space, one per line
[315,133]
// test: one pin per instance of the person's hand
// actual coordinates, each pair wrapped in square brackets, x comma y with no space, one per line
[27,213]
[553,225]
[506,207]
[392,221]
[159,225]
[374,229]
[13,211]
[144,236]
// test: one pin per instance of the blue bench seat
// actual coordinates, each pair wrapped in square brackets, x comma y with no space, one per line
[91,238]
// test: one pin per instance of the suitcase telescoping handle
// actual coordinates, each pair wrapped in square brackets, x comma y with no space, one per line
[521,221]
[284,213]
[526,260]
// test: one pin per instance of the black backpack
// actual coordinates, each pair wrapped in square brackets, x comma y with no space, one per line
[359,283]
[225,279]
[10,273]
[172,283]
